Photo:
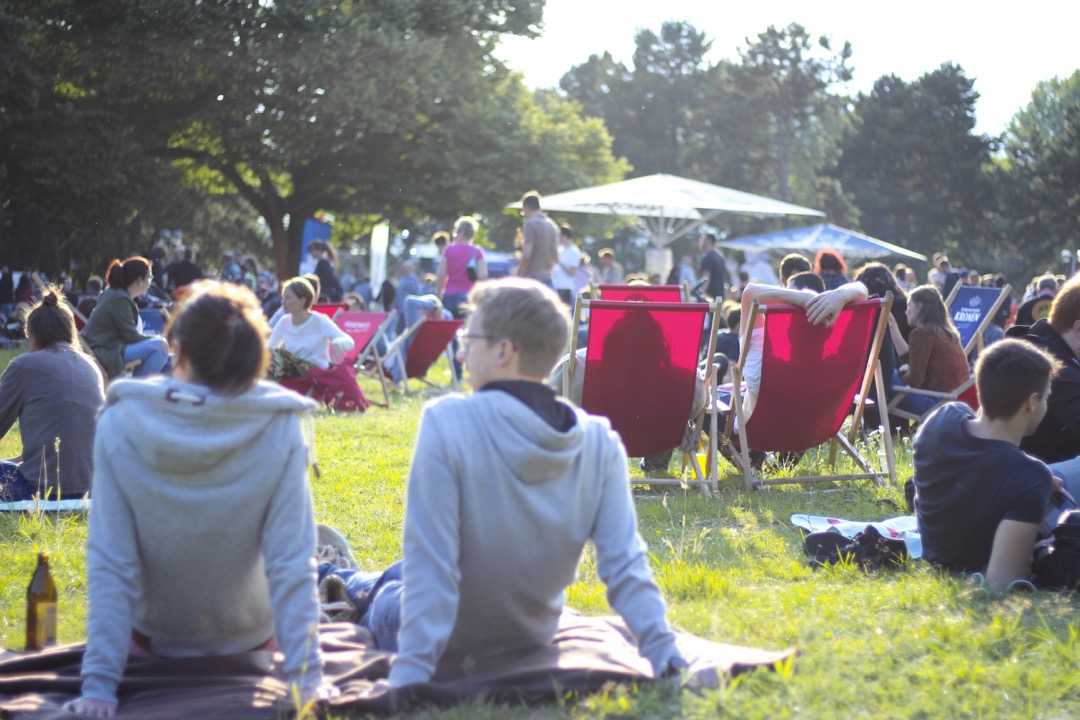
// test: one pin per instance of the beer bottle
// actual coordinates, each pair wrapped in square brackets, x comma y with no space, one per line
[41,607]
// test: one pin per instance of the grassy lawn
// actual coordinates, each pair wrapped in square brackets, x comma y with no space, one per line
[912,643]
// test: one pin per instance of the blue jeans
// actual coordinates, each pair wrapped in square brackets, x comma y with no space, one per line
[453,303]
[914,404]
[154,357]
[13,486]
[377,596]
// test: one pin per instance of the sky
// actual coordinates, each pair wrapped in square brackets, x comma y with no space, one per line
[1007,48]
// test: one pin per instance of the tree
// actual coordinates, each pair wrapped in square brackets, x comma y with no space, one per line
[647,110]
[1039,176]
[786,81]
[1043,118]
[914,166]
[298,107]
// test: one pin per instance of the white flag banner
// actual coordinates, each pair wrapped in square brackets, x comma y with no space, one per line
[380,242]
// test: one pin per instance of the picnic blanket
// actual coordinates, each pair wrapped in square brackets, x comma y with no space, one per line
[902,527]
[587,653]
[45,505]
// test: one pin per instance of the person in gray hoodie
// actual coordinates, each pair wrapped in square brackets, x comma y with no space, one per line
[202,536]
[506,487]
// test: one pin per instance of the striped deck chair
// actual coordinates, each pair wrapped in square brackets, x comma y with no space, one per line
[812,377]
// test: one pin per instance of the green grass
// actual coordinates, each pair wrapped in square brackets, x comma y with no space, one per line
[912,643]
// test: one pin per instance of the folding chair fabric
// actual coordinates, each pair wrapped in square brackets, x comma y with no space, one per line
[642,293]
[367,329]
[153,321]
[972,308]
[641,370]
[430,338]
[822,367]
[812,376]
[330,310]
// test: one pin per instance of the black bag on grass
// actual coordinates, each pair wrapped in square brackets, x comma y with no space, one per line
[870,549]
[1057,560]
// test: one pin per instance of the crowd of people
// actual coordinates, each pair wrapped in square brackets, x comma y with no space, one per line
[200,432]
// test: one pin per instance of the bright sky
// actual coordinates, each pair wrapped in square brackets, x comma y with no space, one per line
[1005,47]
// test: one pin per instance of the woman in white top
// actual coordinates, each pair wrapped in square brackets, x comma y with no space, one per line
[312,337]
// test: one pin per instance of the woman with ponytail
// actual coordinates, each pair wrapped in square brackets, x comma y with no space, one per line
[202,535]
[112,332]
[55,392]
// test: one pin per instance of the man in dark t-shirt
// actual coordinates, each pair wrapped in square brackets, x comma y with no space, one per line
[979,500]
[713,268]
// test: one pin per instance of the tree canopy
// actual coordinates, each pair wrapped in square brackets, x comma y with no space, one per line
[393,108]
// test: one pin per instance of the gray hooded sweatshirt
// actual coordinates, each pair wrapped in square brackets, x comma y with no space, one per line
[202,533]
[500,506]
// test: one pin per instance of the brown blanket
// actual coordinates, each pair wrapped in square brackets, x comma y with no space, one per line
[587,653]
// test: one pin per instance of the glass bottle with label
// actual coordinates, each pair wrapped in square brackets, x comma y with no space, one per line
[41,607]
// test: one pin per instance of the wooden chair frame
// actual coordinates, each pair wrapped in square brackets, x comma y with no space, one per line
[871,374]
[711,313]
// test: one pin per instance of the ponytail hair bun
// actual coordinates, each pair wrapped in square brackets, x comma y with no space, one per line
[221,332]
[121,275]
[50,320]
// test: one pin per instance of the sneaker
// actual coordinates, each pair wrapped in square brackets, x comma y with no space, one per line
[335,605]
[332,547]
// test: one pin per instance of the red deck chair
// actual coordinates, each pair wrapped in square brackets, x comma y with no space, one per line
[330,310]
[367,329]
[811,378]
[430,338]
[643,293]
[641,371]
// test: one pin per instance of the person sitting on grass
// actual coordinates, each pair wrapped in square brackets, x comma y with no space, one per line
[202,534]
[979,499]
[54,392]
[495,527]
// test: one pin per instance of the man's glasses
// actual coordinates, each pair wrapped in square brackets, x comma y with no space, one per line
[466,339]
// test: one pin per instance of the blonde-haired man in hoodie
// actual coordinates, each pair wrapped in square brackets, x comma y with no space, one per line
[506,487]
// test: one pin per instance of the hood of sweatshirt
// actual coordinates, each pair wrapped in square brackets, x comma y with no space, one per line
[184,425]
[1051,340]
[534,451]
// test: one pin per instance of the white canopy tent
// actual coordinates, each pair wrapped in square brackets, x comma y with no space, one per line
[666,206]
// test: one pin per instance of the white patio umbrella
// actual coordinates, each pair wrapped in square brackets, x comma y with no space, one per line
[810,239]
[666,206]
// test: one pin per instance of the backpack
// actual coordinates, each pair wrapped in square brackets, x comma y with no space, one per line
[1057,559]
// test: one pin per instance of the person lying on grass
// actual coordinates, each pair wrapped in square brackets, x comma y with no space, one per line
[506,487]
[202,534]
[979,499]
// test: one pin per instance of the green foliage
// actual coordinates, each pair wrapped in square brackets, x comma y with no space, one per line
[788,82]
[914,166]
[1039,177]
[766,125]
[352,108]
